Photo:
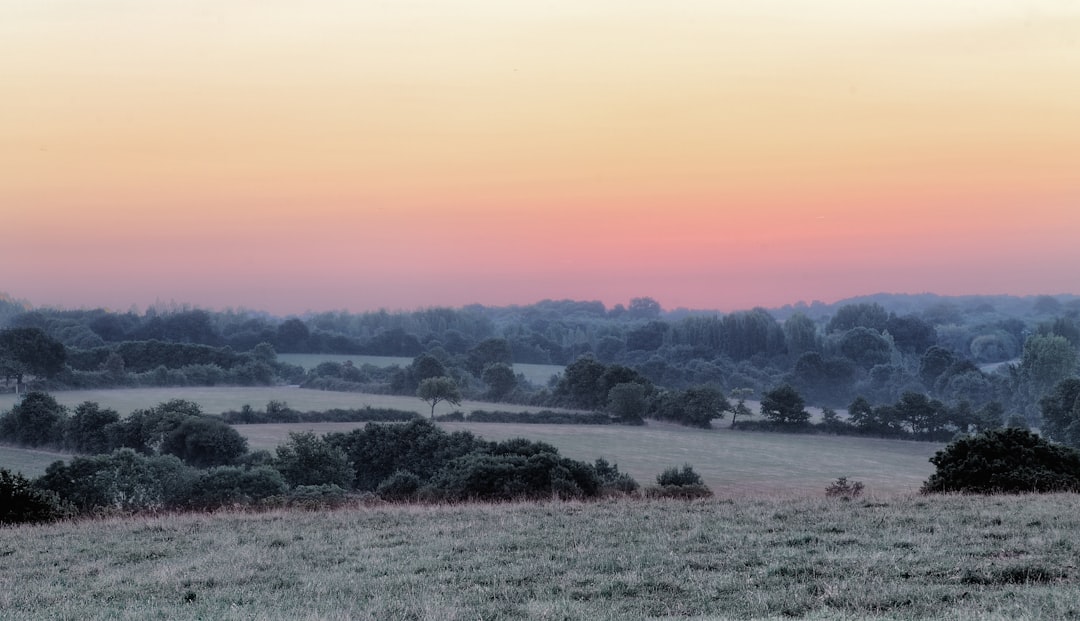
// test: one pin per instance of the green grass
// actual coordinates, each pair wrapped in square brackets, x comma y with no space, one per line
[31,462]
[731,462]
[537,374]
[900,557]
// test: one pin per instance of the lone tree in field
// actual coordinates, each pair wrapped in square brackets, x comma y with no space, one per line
[784,406]
[437,389]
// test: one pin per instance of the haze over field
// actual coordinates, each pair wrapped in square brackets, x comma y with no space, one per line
[342,155]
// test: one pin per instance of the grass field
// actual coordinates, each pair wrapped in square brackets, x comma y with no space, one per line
[904,557]
[537,374]
[217,399]
[732,463]
[31,462]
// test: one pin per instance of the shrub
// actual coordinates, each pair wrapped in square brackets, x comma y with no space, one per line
[842,488]
[1010,460]
[85,430]
[679,483]
[21,503]
[305,459]
[675,476]
[203,441]
[613,481]
[229,485]
[402,485]
[122,481]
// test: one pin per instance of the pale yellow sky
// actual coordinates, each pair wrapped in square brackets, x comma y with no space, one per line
[627,132]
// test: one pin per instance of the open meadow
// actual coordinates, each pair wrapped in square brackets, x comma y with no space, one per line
[900,557]
[731,462]
[537,374]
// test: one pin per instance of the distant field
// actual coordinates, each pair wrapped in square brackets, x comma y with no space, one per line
[217,399]
[32,463]
[537,374]
[942,557]
[733,463]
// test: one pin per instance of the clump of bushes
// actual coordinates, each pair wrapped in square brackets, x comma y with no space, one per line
[1007,460]
[280,412]
[679,483]
[842,488]
[21,503]
[176,427]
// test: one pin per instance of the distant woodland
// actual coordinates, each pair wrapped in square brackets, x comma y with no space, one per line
[914,365]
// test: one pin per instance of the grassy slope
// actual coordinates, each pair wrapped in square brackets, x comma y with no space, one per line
[902,557]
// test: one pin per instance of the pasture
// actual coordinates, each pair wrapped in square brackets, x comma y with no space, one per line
[732,463]
[904,557]
[536,374]
[217,399]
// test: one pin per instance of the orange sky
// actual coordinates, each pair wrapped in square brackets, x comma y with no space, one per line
[710,154]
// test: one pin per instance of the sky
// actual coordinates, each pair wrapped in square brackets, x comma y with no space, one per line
[399,154]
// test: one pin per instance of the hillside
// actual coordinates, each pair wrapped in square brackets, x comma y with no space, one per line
[891,557]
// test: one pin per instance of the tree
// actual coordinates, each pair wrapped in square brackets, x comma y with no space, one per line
[1047,360]
[741,409]
[644,308]
[1061,412]
[437,389]
[784,406]
[500,380]
[305,459]
[866,347]
[800,334]
[696,406]
[872,316]
[21,503]
[626,402]
[203,442]
[30,350]
[488,352]
[85,432]
[37,420]
[934,361]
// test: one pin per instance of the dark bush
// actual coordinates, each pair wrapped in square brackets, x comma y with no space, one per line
[613,481]
[400,486]
[675,476]
[842,488]
[203,442]
[514,476]
[85,432]
[305,459]
[230,485]
[21,503]
[122,481]
[1008,460]
[379,450]
[248,415]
